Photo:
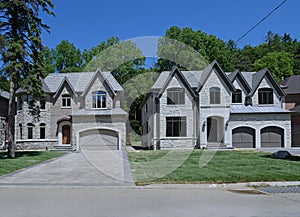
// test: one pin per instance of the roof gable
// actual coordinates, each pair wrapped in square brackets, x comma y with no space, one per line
[103,78]
[237,75]
[259,76]
[214,66]
[65,82]
[182,78]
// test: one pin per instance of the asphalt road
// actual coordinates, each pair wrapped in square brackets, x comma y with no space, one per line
[100,202]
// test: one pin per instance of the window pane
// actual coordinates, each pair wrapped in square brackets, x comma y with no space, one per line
[175,96]
[30,133]
[42,133]
[215,96]
[176,126]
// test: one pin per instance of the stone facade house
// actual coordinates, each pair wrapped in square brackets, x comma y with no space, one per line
[4,97]
[79,110]
[210,109]
[291,86]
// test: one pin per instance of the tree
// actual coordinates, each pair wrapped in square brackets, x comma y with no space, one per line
[21,28]
[68,57]
[123,59]
[279,63]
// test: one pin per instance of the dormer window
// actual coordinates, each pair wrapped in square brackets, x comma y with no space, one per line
[237,96]
[175,96]
[215,95]
[66,101]
[265,96]
[99,99]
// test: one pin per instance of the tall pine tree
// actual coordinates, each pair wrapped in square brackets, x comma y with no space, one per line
[21,28]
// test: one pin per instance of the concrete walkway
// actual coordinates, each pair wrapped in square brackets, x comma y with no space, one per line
[97,168]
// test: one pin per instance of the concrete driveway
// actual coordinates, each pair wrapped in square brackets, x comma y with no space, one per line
[96,168]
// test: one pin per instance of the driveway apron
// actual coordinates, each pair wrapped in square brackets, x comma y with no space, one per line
[85,168]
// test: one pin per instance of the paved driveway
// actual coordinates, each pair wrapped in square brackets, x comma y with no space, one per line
[96,168]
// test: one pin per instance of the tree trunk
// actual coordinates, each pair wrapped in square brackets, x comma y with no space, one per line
[11,119]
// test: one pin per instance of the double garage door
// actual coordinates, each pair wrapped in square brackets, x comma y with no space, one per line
[271,137]
[99,139]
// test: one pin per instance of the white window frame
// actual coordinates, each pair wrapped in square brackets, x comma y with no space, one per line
[66,101]
[99,95]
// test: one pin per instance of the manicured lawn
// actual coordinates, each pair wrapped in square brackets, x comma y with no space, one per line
[24,159]
[222,167]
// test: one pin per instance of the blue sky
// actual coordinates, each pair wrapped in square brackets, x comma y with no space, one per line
[87,23]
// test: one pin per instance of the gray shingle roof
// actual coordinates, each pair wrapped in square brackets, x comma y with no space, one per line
[293,84]
[4,94]
[242,109]
[192,77]
[79,81]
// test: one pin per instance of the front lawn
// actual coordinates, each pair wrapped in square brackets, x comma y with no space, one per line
[24,159]
[222,167]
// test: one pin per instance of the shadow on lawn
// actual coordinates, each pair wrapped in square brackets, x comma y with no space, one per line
[289,158]
[3,155]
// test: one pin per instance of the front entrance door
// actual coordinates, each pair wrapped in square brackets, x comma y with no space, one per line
[66,134]
[215,129]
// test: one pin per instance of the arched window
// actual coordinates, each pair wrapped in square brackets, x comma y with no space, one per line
[66,101]
[265,96]
[30,131]
[99,99]
[42,131]
[237,96]
[21,131]
[215,96]
[175,96]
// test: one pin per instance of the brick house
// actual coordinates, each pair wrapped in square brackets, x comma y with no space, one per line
[292,89]
[79,110]
[210,108]
[4,98]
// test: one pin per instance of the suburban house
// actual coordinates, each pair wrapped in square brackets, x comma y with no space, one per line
[4,98]
[291,86]
[211,108]
[78,110]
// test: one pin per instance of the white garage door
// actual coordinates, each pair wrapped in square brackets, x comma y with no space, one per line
[99,139]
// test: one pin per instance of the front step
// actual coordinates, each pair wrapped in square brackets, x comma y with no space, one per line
[217,146]
[62,148]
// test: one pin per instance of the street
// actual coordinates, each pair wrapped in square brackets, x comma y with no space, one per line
[107,202]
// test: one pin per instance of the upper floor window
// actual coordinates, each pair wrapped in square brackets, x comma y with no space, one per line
[265,96]
[176,127]
[237,96]
[20,103]
[175,96]
[42,103]
[66,101]
[99,99]
[30,131]
[21,131]
[42,131]
[30,102]
[215,95]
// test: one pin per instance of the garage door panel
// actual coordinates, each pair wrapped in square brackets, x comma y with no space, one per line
[272,137]
[243,137]
[99,140]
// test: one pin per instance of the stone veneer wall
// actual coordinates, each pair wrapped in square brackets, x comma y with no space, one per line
[35,144]
[2,131]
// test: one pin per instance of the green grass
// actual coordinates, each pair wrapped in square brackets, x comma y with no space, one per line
[24,159]
[224,167]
